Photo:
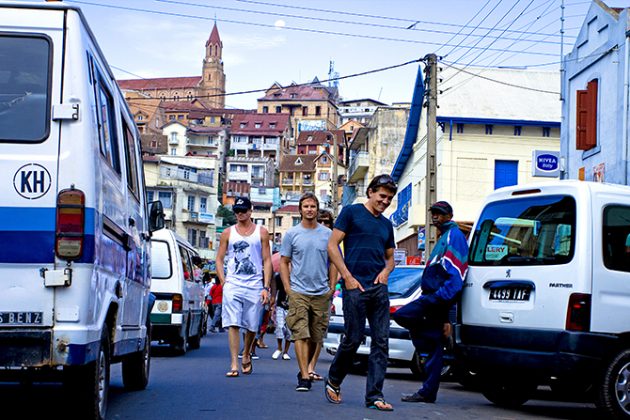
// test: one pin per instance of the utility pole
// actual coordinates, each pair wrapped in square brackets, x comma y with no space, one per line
[431,178]
[335,169]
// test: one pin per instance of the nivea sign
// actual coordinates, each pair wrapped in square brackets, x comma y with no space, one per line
[546,163]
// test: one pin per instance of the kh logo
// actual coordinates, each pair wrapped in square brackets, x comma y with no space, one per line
[32,181]
[508,273]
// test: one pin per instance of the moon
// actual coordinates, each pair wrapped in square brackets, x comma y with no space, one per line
[279,24]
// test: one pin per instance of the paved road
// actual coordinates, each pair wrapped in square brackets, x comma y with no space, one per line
[194,387]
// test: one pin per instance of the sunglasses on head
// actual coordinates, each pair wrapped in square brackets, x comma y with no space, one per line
[384,180]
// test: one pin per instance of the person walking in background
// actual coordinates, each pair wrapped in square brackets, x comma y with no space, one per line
[442,281]
[216,297]
[246,284]
[280,307]
[368,259]
[309,281]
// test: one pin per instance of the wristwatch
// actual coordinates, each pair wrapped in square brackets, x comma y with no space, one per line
[267,288]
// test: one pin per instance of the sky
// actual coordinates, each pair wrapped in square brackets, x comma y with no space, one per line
[285,41]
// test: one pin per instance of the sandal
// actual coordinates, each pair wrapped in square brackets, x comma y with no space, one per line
[332,392]
[247,368]
[314,376]
[380,405]
[232,374]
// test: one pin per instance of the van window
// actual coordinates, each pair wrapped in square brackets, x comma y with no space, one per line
[527,231]
[107,125]
[616,240]
[131,161]
[24,88]
[160,260]
[186,265]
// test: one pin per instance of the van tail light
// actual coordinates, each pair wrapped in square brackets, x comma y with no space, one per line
[70,229]
[579,312]
[393,309]
[177,304]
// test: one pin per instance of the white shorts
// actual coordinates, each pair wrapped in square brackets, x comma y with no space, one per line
[241,307]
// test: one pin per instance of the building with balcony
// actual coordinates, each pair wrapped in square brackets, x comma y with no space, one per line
[360,110]
[260,135]
[317,142]
[310,106]
[245,173]
[374,150]
[187,188]
[297,175]
[282,220]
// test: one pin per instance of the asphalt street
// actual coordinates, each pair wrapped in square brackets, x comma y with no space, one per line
[194,386]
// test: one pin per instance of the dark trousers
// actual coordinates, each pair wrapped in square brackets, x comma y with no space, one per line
[373,305]
[426,335]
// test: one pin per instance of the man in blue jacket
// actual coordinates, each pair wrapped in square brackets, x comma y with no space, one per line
[442,281]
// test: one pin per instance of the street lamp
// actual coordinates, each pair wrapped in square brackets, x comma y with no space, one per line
[333,182]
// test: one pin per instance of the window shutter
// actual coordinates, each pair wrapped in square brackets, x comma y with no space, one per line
[586,117]
[581,119]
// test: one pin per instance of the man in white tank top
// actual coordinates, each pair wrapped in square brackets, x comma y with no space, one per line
[246,282]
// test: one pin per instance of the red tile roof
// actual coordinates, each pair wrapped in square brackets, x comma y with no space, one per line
[160,83]
[320,137]
[288,163]
[214,36]
[200,129]
[291,208]
[297,93]
[245,124]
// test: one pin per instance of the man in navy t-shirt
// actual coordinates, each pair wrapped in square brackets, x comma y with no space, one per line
[368,242]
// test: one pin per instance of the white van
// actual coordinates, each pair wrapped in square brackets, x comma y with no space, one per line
[177,317]
[547,296]
[74,225]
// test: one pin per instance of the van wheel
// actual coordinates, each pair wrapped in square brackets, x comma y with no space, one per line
[181,345]
[136,366]
[195,341]
[614,395]
[508,394]
[89,384]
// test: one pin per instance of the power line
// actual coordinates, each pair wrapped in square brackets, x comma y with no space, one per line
[496,81]
[319,19]
[362,15]
[317,31]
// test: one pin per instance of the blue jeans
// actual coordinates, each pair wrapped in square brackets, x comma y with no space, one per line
[216,319]
[373,305]
[426,330]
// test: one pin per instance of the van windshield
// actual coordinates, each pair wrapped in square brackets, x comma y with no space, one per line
[24,87]
[525,231]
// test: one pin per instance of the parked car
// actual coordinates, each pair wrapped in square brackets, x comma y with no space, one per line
[403,287]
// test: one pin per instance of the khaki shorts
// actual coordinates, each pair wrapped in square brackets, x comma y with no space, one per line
[308,316]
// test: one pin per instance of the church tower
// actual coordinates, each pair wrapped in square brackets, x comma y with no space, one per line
[213,77]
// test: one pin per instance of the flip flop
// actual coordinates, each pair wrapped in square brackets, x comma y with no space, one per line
[332,393]
[247,368]
[380,405]
[232,374]
[314,376]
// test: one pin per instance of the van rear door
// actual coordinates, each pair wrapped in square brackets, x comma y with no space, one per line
[521,264]
[610,300]
[30,82]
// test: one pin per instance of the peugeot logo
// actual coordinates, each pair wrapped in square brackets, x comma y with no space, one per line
[508,273]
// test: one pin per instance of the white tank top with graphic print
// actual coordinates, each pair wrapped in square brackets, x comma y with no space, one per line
[244,255]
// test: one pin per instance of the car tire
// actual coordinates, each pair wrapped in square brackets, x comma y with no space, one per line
[507,393]
[418,369]
[614,397]
[136,366]
[89,384]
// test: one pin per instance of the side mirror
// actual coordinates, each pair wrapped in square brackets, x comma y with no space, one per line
[156,216]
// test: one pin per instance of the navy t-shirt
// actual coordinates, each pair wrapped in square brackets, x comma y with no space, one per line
[367,237]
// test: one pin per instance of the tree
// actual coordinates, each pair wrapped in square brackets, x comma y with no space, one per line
[228,217]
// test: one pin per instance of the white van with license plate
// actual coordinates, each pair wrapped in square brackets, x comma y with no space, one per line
[74,224]
[547,297]
[178,313]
